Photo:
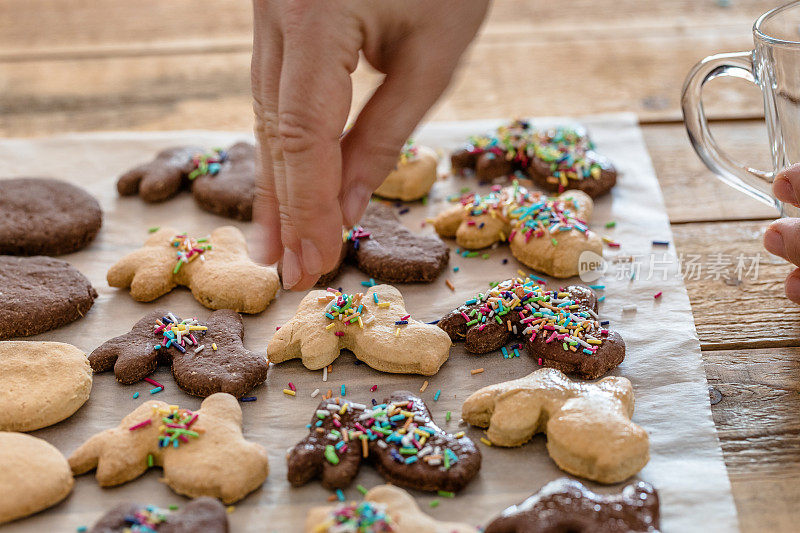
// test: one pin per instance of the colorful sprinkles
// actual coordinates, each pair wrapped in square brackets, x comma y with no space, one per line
[530,214]
[554,316]
[188,249]
[566,151]
[175,428]
[395,426]
[357,518]
[176,333]
[208,164]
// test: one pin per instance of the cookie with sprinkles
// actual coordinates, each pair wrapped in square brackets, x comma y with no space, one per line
[546,233]
[559,328]
[202,453]
[221,181]
[217,269]
[556,159]
[226,184]
[206,356]
[375,326]
[398,437]
[588,425]
[564,158]
[162,178]
[385,508]
[567,505]
[383,248]
[202,514]
[413,176]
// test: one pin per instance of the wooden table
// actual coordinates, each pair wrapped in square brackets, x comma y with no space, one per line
[106,64]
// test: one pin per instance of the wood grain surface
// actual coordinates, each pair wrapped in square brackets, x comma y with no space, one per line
[84,65]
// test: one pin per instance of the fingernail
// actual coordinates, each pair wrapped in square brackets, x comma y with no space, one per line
[785,191]
[312,259]
[291,269]
[773,242]
[354,203]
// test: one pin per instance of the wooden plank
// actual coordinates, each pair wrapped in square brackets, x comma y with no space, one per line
[616,74]
[757,418]
[758,427]
[691,192]
[111,23]
[750,313]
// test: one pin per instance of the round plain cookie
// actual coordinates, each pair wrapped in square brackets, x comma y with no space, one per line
[35,476]
[46,217]
[45,382]
[39,294]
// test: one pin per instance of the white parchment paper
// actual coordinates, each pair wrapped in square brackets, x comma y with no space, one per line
[663,353]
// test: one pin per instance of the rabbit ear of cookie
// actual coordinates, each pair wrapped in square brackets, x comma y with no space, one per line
[225,407]
[230,240]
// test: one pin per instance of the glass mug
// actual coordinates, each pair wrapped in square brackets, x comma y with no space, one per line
[773,65]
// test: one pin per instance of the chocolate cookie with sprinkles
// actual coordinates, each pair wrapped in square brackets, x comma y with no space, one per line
[556,159]
[222,181]
[383,248]
[398,437]
[559,328]
[205,356]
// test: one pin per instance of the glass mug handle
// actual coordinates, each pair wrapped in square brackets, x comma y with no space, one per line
[753,182]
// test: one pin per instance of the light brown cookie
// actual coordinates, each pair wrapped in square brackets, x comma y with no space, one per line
[217,270]
[588,425]
[211,457]
[34,476]
[374,325]
[413,176]
[45,382]
[385,508]
[545,233]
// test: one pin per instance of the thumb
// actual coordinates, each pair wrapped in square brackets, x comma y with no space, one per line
[371,147]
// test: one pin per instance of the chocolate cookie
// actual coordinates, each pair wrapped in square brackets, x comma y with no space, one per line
[162,178]
[565,505]
[206,357]
[398,437]
[202,514]
[222,181]
[556,159]
[39,294]
[46,217]
[561,328]
[384,249]
[229,192]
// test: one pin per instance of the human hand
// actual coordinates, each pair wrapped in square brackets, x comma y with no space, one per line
[782,237]
[310,182]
